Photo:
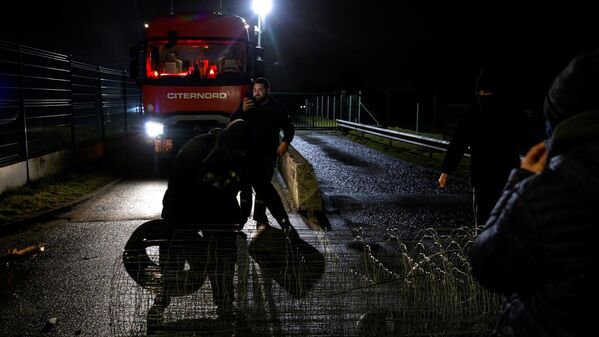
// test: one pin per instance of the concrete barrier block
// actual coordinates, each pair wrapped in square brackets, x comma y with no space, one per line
[301,181]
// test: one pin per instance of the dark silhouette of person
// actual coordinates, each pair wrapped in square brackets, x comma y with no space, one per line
[538,247]
[267,118]
[490,128]
[208,173]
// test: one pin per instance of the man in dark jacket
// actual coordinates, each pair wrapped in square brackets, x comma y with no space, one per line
[538,248]
[267,118]
[489,129]
[208,173]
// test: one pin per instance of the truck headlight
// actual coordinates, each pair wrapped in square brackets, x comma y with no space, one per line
[154,129]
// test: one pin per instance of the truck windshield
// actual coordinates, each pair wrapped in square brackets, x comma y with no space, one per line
[192,58]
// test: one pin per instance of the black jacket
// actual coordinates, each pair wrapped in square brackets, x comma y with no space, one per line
[539,245]
[205,181]
[492,134]
[267,120]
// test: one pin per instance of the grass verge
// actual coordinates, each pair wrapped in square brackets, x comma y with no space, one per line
[49,192]
[418,155]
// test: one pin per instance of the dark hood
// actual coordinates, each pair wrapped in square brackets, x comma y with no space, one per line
[574,151]
[237,137]
[574,91]
[233,149]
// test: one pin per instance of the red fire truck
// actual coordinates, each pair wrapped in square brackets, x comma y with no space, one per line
[196,70]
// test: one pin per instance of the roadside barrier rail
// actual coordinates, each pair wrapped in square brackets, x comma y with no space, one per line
[428,142]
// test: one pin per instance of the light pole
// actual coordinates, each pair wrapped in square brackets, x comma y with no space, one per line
[262,8]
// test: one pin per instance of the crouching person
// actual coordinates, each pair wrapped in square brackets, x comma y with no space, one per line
[207,175]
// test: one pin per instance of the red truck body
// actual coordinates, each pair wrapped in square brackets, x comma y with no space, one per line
[196,71]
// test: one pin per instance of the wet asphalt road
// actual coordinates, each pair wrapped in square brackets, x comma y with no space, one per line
[71,280]
[375,192]
[80,273]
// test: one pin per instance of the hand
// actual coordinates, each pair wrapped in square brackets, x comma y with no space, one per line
[247,104]
[282,149]
[443,180]
[535,158]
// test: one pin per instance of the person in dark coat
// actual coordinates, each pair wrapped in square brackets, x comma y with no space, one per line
[267,118]
[490,128]
[538,248]
[208,173]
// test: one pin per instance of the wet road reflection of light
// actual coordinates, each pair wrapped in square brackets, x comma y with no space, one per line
[150,196]
[127,200]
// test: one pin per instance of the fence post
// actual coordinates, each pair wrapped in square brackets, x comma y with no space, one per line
[341,105]
[313,109]
[322,106]
[23,114]
[334,108]
[317,112]
[349,99]
[125,98]
[100,103]
[306,106]
[328,107]
[73,137]
[320,112]
[359,106]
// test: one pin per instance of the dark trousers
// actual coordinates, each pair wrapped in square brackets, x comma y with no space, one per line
[484,199]
[268,164]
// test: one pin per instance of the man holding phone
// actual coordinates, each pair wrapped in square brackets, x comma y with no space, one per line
[267,118]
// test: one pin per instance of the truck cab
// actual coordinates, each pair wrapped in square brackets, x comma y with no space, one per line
[195,72]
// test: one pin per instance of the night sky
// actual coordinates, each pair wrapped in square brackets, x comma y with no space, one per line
[313,45]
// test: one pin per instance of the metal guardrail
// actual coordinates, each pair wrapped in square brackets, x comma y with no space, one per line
[428,142]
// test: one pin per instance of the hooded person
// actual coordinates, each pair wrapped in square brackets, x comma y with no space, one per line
[206,175]
[494,151]
[538,246]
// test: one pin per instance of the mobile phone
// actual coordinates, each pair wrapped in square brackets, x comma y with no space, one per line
[251,97]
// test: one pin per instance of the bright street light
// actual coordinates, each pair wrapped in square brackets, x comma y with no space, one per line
[262,8]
